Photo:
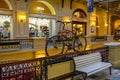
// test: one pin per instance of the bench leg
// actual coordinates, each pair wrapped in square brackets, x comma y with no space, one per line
[84,75]
[110,70]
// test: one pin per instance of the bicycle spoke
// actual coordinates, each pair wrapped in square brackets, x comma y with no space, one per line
[54,46]
[80,43]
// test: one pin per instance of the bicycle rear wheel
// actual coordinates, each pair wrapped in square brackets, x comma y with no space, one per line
[54,45]
[80,43]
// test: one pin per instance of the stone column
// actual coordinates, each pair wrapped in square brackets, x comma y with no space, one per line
[21,28]
[114,53]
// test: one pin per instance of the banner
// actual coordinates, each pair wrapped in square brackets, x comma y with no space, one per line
[90,5]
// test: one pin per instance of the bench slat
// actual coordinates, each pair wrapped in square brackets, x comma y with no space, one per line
[90,63]
[86,60]
[83,64]
[94,68]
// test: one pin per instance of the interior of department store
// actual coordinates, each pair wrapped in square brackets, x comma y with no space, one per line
[35,31]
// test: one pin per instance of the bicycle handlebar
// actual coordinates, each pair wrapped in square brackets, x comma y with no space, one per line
[62,23]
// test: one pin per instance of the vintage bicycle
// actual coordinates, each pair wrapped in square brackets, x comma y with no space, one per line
[65,41]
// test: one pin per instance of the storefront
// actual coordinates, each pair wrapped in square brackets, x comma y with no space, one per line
[5,20]
[42,20]
[5,26]
[39,27]
[79,21]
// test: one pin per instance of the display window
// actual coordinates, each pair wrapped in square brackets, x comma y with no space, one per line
[5,26]
[39,27]
[42,20]
[79,22]
[79,28]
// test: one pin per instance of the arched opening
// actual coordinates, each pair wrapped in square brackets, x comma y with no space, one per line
[79,13]
[5,19]
[79,21]
[52,10]
[115,23]
[115,26]
[41,15]
[8,4]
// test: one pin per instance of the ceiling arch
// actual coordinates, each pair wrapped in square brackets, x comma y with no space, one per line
[41,7]
[5,4]
[79,13]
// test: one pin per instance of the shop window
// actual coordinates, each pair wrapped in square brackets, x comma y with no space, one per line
[39,27]
[5,27]
[41,21]
[79,22]
[79,28]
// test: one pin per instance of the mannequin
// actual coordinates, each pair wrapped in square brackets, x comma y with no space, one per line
[5,33]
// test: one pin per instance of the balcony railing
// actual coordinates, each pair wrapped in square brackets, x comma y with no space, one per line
[36,68]
[14,44]
[98,38]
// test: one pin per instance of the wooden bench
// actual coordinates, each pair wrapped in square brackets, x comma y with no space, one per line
[90,64]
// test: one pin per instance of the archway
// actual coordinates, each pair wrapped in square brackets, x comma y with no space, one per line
[8,3]
[115,22]
[42,7]
[79,13]
[5,19]
[42,14]
[79,21]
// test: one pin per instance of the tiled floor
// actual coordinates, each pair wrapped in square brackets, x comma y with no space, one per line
[103,75]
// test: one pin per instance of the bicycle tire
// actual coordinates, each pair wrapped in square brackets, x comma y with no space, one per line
[80,43]
[54,45]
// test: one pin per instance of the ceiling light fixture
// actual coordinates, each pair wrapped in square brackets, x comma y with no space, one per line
[40,8]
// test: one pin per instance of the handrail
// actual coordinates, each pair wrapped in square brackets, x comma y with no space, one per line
[36,67]
[98,38]
[16,44]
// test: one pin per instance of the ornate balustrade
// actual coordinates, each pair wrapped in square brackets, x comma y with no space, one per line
[14,44]
[98,38]
[36,69]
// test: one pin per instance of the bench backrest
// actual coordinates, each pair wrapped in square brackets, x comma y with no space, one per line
[86,60]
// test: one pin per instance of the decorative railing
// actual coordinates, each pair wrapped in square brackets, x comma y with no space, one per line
[14,44]
[98,38]
[36,69]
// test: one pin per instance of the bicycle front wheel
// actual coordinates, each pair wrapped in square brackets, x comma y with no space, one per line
[80,43]
[54,45]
